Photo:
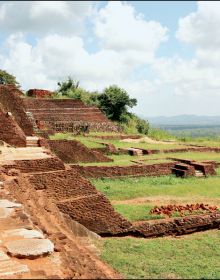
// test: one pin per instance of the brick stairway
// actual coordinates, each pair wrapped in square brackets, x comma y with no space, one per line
[32,141]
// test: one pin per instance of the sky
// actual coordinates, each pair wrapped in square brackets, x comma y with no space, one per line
[166,54]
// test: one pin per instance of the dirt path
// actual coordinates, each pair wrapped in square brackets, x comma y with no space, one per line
[148,140]
[160,200]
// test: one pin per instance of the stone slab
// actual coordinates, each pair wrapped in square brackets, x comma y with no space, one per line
[28,248]
[4,203]
[25,233]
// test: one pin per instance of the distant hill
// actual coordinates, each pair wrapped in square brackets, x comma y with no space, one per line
[184,120]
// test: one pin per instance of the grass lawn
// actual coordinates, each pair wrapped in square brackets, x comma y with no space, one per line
[145,145]
[130,188]
[125,160]
[136,212]
[194,256]
[88,142]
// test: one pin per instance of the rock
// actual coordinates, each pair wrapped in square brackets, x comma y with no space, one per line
[4,203]
[13,172]
[30,248]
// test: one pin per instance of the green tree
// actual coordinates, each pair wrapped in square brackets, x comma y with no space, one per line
[7,78]
[114,102]
[67,87]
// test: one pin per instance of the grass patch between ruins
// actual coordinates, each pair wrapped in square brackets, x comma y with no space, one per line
[130,188]
[136,212]
[88,142]
[194,256]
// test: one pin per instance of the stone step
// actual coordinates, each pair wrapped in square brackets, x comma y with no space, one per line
[199,173]
[29,248]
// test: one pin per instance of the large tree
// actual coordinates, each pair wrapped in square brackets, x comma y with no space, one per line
[114,102]
[7,78]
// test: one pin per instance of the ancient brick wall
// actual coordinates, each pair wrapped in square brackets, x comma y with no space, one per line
[36,165]
[71,151]
[193,149]
[11,101]
[119,171]
[66,115]
[178,226]
[79,199]
[10,132]
[39,93]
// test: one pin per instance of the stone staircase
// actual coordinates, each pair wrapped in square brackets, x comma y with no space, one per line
[183,170]
[32,141]
[199,173]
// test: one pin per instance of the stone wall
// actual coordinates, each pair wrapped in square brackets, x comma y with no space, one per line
[76,126]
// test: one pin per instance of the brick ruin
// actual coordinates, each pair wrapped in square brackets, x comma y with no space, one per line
[39,93]
[36,115]
[11,100]
[180,167]
[66,115]
[71,151]
[58,194]
[124,171]
[10,131]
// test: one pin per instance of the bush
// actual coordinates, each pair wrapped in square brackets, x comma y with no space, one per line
[142,126]
[160,134]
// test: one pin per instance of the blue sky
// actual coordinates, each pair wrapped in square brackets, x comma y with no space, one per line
[164,53]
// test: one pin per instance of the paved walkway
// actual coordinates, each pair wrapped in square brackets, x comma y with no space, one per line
[28,153]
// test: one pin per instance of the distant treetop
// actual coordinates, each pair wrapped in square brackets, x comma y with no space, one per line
[6,78]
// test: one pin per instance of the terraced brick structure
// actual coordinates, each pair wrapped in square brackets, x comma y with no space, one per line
[62,115]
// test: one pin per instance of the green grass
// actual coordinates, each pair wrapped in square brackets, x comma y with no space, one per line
[144,145]
[202,142]
[136,212]
[124,160]
[88,142]
[91,142]
[194,256]
[129,188]
[140,212]
[187,155]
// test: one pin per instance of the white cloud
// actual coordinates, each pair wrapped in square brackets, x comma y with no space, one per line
[201,28]
[120,27]
[55,56]
[198,76]
[43,17]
